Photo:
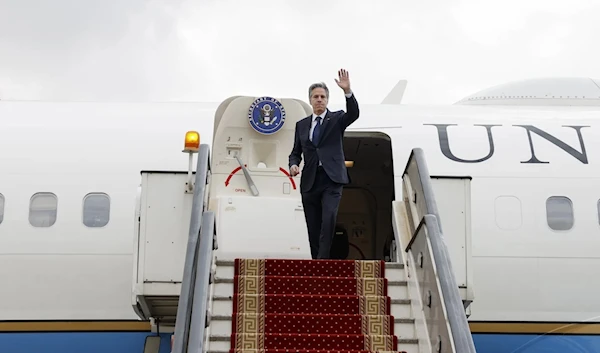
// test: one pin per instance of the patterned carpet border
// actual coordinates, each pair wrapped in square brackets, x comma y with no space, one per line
[313,324]
[311,304]
[310,285]
[262,341]
[310,268]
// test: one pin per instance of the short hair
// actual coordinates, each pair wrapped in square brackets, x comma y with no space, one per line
[318,85]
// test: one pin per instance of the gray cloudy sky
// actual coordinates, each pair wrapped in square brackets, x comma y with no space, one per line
[208,50]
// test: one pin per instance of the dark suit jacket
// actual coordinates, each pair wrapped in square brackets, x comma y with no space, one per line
[330,149]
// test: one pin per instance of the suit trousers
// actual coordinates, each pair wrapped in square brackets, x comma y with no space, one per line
[321,205]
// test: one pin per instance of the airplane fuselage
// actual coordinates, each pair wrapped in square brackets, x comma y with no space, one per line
[535,220]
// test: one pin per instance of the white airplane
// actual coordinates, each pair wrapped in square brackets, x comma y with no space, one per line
[71,174]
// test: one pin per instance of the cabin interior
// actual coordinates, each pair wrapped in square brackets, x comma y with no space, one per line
[365,211]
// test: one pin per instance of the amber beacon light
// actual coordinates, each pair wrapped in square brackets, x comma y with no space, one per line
[191,146]
[192,142]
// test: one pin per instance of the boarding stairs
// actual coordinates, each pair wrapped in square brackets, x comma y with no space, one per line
[273,306]
[188,281]
[339,305]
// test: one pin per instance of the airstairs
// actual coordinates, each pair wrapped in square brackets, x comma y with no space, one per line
[378,321]
[220,291]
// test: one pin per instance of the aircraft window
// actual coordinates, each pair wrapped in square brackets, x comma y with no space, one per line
[96,210]
[559,212]
[508,213]
[1,208]
[43,209]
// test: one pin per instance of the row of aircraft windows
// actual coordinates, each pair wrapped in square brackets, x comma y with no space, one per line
[43,209]
[559,213]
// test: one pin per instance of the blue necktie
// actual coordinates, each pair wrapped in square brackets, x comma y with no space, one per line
[317,132]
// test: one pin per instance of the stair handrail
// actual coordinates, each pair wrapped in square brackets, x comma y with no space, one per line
[191,270]
[200,314]
[452,303]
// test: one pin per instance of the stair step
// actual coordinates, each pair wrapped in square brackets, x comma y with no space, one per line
[224,263]
[403,327]
[395,289]
[223,306]
[393,270]
[228,318]
[295,342]
[222,343]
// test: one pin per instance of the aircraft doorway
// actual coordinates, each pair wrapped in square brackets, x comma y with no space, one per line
[365,212]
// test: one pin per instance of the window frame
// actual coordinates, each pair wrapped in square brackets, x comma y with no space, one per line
[83,208]
[31,200]
[572,213]
[497,209]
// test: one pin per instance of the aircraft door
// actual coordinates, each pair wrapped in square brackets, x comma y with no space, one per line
[255,198]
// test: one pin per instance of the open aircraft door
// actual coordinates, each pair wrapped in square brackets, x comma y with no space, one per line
[257,203]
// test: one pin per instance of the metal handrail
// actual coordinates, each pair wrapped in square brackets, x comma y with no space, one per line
[459,326]
[190,270]
[200,301]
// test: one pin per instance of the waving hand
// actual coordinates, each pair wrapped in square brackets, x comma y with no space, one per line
[344,80]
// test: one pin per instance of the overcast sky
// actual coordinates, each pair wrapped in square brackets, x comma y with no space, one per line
[208,50]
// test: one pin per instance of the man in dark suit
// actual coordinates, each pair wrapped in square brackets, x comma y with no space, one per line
[319,137]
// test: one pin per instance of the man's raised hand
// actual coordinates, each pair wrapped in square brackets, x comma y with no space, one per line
[344,80]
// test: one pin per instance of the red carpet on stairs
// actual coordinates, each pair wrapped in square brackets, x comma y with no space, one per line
[311,306]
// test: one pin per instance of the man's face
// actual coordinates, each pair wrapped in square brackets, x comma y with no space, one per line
[318,100]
